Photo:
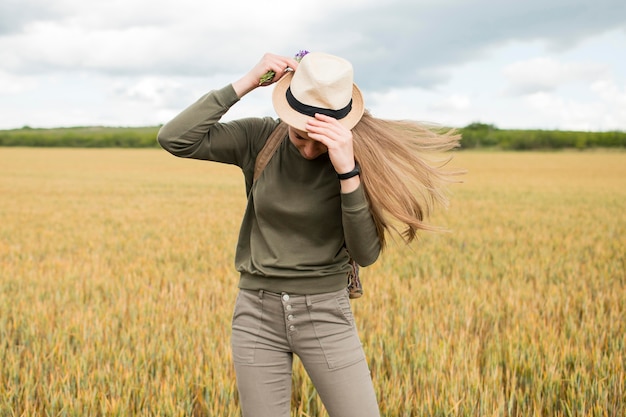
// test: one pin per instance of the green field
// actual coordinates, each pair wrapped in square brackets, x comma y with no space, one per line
[117,284]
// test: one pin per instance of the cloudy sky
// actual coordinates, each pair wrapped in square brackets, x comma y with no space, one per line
[549,64]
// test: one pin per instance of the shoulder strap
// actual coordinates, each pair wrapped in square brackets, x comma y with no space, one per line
[270,147]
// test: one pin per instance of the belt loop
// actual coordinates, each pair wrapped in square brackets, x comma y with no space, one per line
[308,300]
[261,294]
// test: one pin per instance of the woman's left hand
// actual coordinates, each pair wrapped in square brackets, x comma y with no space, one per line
[337,138]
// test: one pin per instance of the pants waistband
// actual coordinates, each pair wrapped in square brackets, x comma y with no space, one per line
[296,298]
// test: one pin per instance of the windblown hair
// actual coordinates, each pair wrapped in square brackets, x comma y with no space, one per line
[401,184]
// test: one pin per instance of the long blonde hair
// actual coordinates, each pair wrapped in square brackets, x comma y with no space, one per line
[401,184]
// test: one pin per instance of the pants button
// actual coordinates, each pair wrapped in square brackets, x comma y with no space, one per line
[285,297]
[290,317]
[292,327]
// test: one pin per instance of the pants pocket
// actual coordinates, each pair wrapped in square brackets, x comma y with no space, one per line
[336,333]
[246,325]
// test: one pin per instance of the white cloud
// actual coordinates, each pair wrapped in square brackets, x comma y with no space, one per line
[609,90]
[453,103]
[153,90]
[573,113]
[613,116]
[15,84]
[605,110]
[547,74]
[437,107]
[396,103]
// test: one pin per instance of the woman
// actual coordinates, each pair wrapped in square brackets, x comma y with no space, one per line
[311,206]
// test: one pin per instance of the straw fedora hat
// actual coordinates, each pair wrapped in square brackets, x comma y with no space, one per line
[322,83]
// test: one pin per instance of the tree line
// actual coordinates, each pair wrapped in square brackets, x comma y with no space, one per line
[82,137]
[480,135]
[474,136]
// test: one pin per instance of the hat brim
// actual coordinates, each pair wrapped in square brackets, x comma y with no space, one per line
[298,120]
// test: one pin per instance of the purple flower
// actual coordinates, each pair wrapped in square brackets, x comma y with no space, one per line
[300,55]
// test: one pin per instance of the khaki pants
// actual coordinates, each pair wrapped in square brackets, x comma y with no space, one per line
[269,328]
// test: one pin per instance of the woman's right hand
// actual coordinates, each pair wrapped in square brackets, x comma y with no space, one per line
[269,62]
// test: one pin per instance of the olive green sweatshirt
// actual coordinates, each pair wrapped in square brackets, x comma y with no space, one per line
[298,227]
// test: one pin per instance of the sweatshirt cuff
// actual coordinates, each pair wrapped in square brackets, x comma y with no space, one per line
[354,200]
[226,96]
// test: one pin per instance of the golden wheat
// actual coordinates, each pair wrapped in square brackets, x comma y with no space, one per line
[117,283]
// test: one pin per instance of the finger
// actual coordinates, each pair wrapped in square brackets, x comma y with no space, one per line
[274,67]
[285,66]
[329,127]
[330,123]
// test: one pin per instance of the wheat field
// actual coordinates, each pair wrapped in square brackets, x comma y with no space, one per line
[117,286]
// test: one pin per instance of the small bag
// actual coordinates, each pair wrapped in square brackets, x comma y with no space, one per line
[273,142]
[355,290]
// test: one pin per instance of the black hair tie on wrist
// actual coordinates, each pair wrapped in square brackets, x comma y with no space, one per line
[356,171]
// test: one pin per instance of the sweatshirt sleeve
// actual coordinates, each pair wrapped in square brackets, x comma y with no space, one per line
[196,132]
[360,232]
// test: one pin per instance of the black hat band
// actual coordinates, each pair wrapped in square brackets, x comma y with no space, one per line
[311,110]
